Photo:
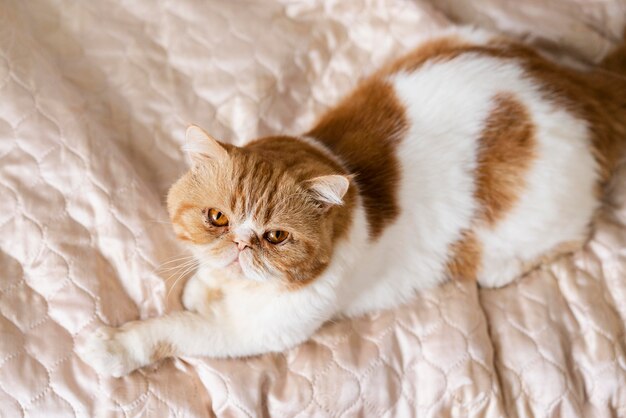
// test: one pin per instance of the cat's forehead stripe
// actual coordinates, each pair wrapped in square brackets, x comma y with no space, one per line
[256,190]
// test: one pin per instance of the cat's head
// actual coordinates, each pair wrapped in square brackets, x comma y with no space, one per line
[271,210]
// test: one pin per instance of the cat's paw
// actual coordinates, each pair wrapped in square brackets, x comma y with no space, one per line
[105,351]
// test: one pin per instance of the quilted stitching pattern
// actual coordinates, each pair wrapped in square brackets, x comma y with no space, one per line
[96,96]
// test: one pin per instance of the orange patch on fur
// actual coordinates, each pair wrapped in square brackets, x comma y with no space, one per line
[364,131]
[465,257]
[162,349]
[504,157]
[507,148]
[436,49]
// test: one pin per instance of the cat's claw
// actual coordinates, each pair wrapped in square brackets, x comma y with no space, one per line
[104,351]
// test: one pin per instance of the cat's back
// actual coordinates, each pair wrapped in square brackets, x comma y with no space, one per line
[503,165]
[473,158]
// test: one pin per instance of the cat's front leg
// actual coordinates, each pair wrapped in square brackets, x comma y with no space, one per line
[118,351]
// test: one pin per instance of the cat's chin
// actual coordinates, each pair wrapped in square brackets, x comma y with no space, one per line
[235,270]
[236,266]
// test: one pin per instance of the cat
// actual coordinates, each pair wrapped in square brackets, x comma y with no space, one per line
[470,158]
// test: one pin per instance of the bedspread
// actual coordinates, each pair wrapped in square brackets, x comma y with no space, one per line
[94,100]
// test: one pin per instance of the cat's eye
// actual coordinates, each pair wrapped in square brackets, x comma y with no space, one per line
[276,236]
[217,218]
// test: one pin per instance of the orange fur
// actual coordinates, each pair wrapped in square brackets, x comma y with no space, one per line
[364,131]
[267,180]
[439,49]
[506,152]
[464,258]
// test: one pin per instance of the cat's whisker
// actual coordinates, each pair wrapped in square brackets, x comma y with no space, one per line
[181,272]
[179,278]
[186,266]
[182,276]
[166,221]
[179,260]
[177,268]
[175,260]
[183,261]
[177,256]
[192,264]
[160,222]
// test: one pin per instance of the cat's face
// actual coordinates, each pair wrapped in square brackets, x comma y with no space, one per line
[258,212]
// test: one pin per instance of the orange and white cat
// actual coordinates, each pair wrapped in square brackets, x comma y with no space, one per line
[470,158]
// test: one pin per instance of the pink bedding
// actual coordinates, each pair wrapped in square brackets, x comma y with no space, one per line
[95,97]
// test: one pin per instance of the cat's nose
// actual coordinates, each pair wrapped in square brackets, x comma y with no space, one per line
[241,243]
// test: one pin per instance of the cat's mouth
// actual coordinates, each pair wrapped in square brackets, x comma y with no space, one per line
[236,264]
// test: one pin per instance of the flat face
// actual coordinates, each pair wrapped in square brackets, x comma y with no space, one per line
[255,213]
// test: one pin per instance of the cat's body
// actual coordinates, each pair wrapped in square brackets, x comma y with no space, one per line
[471,158]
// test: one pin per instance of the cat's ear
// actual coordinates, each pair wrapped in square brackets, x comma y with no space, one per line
[202,147]
[329,190]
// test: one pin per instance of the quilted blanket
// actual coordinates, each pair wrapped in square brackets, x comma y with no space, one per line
[94,100]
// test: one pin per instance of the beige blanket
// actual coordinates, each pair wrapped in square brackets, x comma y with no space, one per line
[94,99]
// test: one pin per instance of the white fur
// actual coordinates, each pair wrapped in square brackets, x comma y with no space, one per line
[246,230]
[447,105]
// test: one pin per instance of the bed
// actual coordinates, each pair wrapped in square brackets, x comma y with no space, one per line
[95,98]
